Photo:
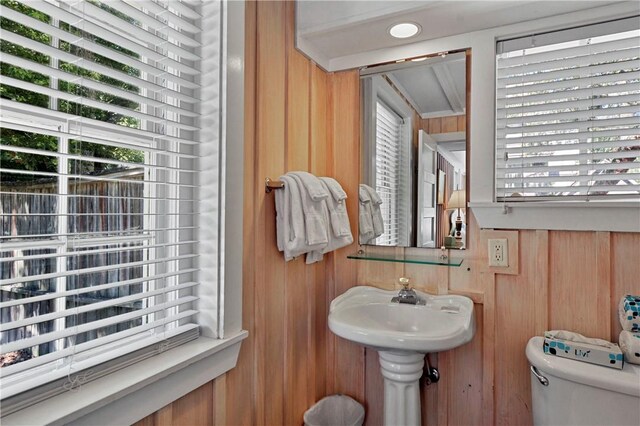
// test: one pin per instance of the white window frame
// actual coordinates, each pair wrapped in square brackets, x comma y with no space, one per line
[529,172]
[377,89]
[134,392]
[579,216]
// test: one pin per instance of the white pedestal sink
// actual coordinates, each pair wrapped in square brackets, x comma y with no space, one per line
[402,334]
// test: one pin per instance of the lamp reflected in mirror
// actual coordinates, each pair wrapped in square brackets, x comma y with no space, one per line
[457,202]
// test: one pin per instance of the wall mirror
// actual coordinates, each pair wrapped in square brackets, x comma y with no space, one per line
[413,162]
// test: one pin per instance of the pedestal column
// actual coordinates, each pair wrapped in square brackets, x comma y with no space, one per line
[401,372]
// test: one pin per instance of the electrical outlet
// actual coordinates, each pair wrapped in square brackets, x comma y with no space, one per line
[498,253]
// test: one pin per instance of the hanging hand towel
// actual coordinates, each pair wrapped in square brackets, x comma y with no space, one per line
[314,222]
[376,213]
[365,227]
[336,213]
[629,313]
[337,208]
[313,185]
[630,346]
[290,220]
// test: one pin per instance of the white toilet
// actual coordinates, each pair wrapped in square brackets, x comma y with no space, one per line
[577,393]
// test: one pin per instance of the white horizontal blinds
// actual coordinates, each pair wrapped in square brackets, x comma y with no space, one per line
[568,114]
[388,163]
[98,185]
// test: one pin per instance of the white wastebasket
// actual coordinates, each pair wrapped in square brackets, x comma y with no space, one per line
[335,410]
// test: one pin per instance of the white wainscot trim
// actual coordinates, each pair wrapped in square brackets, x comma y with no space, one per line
[563,216]
[130,394]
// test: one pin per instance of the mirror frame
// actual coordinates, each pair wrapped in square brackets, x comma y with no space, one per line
[381,67]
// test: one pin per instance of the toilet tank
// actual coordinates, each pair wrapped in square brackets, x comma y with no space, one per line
[578,393]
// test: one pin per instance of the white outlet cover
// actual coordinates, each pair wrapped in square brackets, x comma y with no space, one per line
[498,250]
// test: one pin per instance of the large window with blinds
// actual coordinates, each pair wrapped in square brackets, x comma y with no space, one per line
[99,187]
[391,164]
[568,114]
[389,155]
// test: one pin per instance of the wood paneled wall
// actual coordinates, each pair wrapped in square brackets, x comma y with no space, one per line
[299,117]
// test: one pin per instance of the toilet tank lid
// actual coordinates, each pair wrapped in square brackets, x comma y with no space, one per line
[625,381]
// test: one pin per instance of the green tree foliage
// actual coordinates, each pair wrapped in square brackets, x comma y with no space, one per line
[33,162]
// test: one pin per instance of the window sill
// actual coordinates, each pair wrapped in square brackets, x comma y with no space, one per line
[614,216]
[164,378]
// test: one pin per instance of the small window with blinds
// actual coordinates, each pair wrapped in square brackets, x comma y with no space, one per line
[568,114]
[388,168]
[99,122]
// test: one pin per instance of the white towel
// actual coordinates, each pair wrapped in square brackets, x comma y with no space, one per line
[578,338]
[630,346]
[365,228]
[313,185]
[376,213]
[629,313]
[337,208]
[312,206]
[290,221]
[334,188]
[336,212]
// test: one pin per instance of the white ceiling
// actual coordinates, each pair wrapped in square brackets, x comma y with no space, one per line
[435,87]
[327,30]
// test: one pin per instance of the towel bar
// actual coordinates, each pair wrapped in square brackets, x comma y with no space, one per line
[270,185]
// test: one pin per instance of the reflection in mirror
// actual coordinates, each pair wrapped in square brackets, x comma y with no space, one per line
[413,183]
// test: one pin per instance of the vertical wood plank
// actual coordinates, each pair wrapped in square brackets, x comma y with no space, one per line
[195,408]
[270,137]
[318,162]
[429,395]
[299,277]
[382,274]
[515,322]
[488,349]
[443,388]
[435,125]
[541,283]
[603,281]
[219,400]
[374,389]
[164,416]
[147,421]
[320,150]
[465,381]
[573,285]
[349,362]
[449,124]
[625,273]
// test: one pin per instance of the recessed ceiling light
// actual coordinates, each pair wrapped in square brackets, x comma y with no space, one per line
[424,58]
[404,30]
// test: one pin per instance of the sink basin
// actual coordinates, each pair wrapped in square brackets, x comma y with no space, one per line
[402,334]
[365,315]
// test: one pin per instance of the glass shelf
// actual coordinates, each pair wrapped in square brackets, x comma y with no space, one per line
[421,259]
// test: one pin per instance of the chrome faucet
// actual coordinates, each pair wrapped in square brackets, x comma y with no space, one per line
[407,295]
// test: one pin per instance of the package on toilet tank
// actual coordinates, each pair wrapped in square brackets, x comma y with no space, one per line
[606,356]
